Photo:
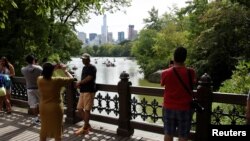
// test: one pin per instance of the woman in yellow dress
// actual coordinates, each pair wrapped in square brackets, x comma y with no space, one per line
[51,102]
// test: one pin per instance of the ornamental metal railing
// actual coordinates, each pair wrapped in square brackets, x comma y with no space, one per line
[131,107]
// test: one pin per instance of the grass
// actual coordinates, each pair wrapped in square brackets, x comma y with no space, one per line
[144,82]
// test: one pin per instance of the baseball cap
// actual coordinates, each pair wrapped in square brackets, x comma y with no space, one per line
[85,56]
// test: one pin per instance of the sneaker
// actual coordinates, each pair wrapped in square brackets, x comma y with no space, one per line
[36,121]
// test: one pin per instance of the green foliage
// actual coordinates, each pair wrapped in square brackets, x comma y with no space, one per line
[46,28]
[143,51]
[218,38]
[154,47]
[122,50]
[240,80]
[146,83]
[153,22]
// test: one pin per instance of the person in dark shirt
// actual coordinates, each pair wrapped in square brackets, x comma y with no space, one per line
[87,87]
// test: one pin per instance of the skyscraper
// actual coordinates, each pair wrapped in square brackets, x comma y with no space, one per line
[104,30]
[131,32]
[92,36]
[121,36]
[82,37]
[110,37]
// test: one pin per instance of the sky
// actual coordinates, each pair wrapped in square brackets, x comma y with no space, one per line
[134,15]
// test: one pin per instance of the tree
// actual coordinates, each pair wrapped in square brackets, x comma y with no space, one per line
[45,28]
[155,44]
[222,39]
[240,80]
[153,21]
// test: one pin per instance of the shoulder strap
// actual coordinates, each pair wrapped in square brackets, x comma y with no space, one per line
[181,81]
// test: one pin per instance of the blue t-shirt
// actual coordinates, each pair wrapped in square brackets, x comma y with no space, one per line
[5,81]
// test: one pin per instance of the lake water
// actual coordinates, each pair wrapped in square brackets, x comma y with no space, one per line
[109,74]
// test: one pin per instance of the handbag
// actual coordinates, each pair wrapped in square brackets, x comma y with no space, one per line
[195,105]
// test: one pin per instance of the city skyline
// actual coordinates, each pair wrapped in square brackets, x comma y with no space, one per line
[106,37]
[119,21]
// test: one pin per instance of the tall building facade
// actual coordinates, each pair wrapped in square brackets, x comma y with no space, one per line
[92,36]
[104,30]
[121,36]
[110,37]
[82,36]
[131,32]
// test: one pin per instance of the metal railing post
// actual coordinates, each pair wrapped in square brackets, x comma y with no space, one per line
[204,96]
[71,104]
[124,124]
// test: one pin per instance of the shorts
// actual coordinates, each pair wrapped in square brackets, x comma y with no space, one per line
[33,97]
[2,91]
[86,101]
[177,120]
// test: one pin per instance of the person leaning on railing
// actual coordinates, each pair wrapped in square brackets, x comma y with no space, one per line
[248,109]
[7,68]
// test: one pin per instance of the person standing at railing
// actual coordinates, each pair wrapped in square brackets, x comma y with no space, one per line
[87,87]
[51,101]
[5,83]
[8,69]
[248,109]
[177,113]
[31,72]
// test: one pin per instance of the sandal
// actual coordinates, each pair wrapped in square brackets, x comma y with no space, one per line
[81,131]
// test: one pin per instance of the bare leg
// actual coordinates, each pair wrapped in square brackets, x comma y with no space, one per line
[8,94]
[86,118]
[82,114]
[2,98]
[7,103]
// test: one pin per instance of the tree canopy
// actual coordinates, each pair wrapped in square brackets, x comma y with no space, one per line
[215,33]
[46,27]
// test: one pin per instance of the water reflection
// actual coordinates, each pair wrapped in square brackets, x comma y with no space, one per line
[107,74]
